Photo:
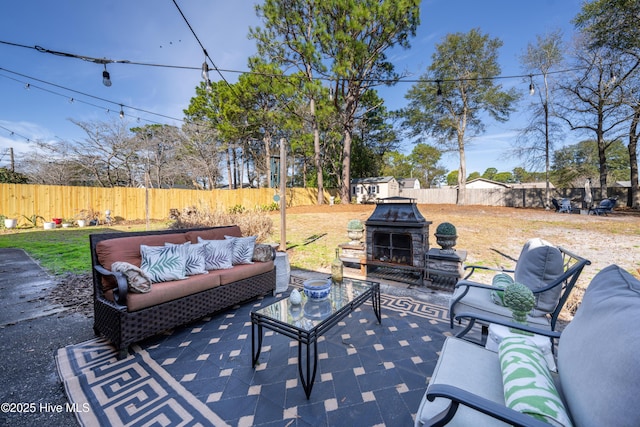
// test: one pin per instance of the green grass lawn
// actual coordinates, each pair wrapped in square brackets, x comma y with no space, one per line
[64,250]
[58,251]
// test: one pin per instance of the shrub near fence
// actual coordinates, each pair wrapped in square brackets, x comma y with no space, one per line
[56,201]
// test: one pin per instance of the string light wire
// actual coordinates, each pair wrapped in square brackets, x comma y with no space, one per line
[81,93]
[220,71]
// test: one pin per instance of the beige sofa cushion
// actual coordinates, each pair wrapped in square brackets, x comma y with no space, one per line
[213,234]
[167,291]
[243,271]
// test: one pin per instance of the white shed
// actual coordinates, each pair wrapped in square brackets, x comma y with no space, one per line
[368,190]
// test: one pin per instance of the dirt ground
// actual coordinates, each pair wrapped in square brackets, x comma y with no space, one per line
[494,236]
[491,236]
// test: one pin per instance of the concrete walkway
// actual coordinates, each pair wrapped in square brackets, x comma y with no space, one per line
[31,331]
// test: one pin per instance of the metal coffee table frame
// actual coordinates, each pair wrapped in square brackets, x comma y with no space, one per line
[307,337]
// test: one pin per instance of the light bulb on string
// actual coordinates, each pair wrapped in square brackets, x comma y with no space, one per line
[205,75]
[205,71]
[438,92]
[106,78]
[121,112]
[532,89]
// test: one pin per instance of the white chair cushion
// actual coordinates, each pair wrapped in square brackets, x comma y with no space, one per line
[599,353]
[539,264]
[478,301]
[472,368]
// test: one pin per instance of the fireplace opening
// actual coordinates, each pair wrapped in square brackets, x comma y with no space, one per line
[392,247]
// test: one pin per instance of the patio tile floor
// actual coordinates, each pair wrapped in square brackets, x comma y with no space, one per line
[368,373]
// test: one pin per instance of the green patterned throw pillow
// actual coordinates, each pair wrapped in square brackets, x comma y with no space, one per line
[194,257]
[501,281]
[242,249]
[163,263]
[528,386]
[218,254]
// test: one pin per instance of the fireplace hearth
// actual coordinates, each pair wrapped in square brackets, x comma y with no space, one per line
[397,240]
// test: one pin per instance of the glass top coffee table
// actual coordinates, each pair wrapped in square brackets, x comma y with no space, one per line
[307,321]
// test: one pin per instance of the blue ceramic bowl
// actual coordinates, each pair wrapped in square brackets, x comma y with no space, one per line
[317,289]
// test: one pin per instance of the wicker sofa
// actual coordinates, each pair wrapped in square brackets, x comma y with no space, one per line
[125,317]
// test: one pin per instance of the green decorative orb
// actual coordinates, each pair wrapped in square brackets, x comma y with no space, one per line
[446,229]
[520,301]
[355,224]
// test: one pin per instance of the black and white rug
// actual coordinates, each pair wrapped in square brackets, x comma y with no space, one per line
[369,374]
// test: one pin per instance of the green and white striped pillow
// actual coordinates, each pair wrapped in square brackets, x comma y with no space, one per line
[500,281]
[163,263]
[528,386]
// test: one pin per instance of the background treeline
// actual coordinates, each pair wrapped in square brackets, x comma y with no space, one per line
[312,85]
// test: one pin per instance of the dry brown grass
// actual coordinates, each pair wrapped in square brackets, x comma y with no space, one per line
[251,223]
[492,236]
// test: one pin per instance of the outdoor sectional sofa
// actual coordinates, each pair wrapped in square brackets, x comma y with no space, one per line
[125,317]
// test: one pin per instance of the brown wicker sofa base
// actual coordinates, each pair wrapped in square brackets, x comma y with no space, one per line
[123,328]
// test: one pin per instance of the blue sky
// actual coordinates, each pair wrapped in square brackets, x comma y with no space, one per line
[152,31]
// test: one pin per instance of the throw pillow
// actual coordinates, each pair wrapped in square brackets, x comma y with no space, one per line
[194,257]
[263,253]
[218,254]
[501,281]
[163,263]
[137,280]
[540,264]
[528,386]
[242,249]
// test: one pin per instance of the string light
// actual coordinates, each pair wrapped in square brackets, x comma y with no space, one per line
[221,70]
[121,112]
[14,133]
[205,75]
[439,91]
[83,94]
[532,89]
[106,78]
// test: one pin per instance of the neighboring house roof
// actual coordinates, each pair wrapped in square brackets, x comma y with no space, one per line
[625,184]
[532,185]
[485,183]
[373,180]
[409,182]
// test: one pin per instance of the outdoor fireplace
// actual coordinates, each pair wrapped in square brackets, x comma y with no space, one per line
[397,237]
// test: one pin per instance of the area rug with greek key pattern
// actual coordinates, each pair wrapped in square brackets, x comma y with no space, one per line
[201,375]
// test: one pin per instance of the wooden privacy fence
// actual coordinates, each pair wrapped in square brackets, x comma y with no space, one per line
[54,201]
[508,197]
